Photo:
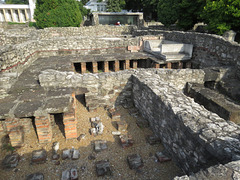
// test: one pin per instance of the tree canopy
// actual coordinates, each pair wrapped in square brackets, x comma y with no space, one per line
[115,5]
[222,15]
[57,13]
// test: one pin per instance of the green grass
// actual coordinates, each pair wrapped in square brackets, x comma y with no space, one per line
[11,23]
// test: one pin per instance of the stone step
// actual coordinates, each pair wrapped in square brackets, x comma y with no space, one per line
[214,101]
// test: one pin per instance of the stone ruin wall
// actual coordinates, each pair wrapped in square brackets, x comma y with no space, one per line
[208,50]
[194,137]
[16,58]
[201,137]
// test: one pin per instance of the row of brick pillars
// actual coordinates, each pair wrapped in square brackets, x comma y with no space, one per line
[169,65]
[106,66]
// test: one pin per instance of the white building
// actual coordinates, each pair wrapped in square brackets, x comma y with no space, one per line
[17,12]
[94,5]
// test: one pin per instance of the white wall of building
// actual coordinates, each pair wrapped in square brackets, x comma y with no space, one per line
[17,12]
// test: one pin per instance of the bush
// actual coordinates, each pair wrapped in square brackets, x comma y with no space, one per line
[57,13]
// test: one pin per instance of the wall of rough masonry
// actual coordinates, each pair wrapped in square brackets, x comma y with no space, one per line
[228,171]
[102,89]
[209,50]
[194,137]
[17,57]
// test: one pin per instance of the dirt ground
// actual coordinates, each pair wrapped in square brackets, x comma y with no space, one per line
[116,155]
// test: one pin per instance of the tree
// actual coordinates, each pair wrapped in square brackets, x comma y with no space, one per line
[189,13]
[148,7]
[168,11]
[57,13]
[115,5]
[222,15]
[16,1]
[185,13]
[82,9]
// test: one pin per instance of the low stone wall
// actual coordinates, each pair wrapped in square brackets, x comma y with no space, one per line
[103,89]
[194,137]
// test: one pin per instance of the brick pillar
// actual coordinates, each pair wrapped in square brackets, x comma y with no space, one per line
[83,67]
[156,65]
[70,125]
[180,65]
[106,66]
[15,132]
[169,65]
[44,129]
[95,67]
[135,63]
[127,64]
[116,66]
[188,64]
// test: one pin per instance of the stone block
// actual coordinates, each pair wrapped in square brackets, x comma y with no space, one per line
[103,168]
[75,154]
[93,131]
[162,157]
[10,161]
[135,161]
[122,126]
[152,140]
[35,176]
[39,156]
[66,154]
[100,145]
[126,140]
[70,174]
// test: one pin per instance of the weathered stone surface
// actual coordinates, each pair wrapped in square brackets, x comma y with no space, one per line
[100,145]
[103,168]
[75,154]
[35,176]
[135,161]
[201,136]
[39,156]
[11,161]
[66,154]
[215,102]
